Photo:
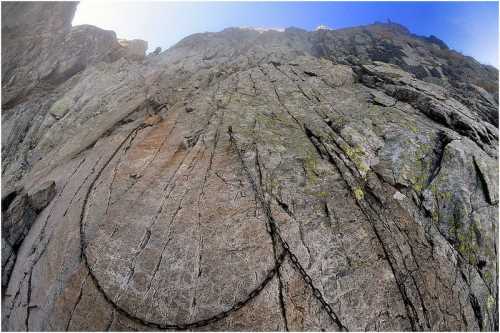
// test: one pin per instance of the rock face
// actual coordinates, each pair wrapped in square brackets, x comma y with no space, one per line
[245,180]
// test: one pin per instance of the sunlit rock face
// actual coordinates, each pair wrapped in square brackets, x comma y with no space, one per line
[245,180]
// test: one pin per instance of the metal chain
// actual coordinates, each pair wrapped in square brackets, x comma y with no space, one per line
[274,231]
[83,244]
[240,304]
[316,292]
[221,315]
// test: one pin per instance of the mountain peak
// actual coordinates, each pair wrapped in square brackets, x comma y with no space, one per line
[322,27]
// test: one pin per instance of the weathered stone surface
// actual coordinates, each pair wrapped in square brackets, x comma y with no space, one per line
[41,196]
[246,180]
[134,49]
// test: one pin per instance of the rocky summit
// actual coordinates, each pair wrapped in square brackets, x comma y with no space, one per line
[249,179]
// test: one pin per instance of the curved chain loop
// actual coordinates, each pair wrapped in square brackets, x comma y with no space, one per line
[272,228]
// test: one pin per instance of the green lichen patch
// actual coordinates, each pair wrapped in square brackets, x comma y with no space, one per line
[420,166]
[445,196]
[310,165]
[412,126]
[339,121]
[322,194]
[358,193]
[435,215]
[60,107]
[272,185]
[467,244]
[490,302]
[356,155]
[418,183]
[374,109]
[488,277]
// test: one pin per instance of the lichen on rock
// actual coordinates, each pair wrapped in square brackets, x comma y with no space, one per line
[245,180]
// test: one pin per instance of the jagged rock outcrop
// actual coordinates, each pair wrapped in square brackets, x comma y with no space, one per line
[245,180]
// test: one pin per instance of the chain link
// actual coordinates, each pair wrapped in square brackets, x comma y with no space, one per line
[254,293]
[221,315]
[316,292]
[273,229]
[293,258]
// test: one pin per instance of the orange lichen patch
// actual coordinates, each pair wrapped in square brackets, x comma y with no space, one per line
[153,120]
[153,140]
[146,149]
[174,158]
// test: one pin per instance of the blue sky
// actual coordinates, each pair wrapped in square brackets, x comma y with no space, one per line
[468,27]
